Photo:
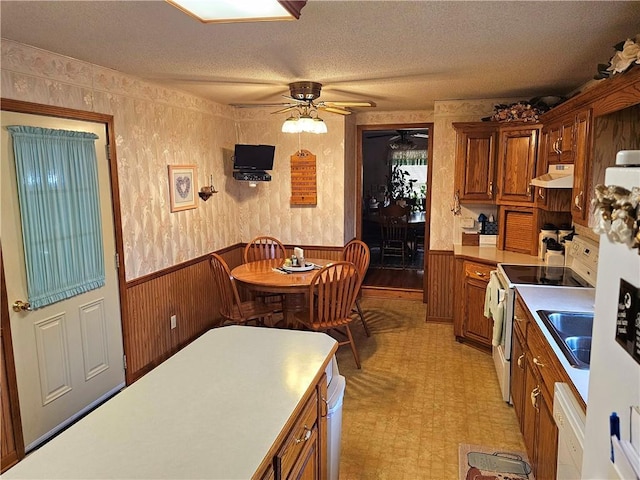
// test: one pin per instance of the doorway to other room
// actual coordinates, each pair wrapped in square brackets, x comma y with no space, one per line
[394,160]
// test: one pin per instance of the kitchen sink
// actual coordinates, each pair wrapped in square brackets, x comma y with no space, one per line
[572,333]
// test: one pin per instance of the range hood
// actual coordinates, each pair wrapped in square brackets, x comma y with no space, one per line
[558,176]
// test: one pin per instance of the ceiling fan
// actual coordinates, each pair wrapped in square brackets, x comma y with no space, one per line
[303,96]
[403,139]
[402,135]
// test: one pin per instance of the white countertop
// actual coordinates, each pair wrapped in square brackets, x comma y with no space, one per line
[491,254]
[562,299]
[213,410]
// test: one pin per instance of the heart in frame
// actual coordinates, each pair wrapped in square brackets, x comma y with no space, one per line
[183,186]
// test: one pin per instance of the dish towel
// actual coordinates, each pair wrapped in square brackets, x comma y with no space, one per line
[494,307]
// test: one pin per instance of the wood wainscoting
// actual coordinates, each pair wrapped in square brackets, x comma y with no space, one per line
[440,286]
[186,291]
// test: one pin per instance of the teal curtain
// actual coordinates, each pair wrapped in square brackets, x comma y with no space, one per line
[57,175]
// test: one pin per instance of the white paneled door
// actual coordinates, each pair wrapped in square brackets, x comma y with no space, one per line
[68,355]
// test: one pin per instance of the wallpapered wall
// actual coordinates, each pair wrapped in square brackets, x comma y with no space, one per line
[156,127]
[265,209]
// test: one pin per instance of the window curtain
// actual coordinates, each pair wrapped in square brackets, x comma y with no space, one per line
[408,157]
[57,175]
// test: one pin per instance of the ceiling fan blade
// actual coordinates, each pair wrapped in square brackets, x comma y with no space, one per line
[287,109]
[338,110]
[258,105]
[350,104]
[380,135]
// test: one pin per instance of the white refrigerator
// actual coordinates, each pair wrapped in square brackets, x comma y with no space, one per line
[614,379]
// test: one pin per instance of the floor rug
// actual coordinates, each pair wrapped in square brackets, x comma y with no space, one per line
[486,463]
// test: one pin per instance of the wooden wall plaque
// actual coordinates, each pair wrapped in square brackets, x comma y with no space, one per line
[303,178]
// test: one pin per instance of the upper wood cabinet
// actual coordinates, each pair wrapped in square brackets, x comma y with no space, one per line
[581,197]
[475,161]
[558,141]
[584,119]
[517,157]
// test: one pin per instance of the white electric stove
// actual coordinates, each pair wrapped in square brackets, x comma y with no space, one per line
[579,271]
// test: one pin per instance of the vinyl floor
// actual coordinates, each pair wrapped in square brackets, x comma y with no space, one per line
[418,395]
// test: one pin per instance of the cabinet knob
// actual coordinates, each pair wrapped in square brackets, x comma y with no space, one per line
[480,274]
[490,189]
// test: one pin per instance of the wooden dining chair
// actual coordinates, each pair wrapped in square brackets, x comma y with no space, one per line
[265,248]
[394,221]
[332,295]
[233,309]
[357,252]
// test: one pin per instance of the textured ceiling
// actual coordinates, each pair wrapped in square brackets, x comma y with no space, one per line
[402,55]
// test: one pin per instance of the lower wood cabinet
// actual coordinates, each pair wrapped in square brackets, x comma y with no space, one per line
[470,322]
[302,453]
[534,374]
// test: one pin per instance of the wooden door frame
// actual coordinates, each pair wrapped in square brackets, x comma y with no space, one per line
[19,106]
[360,129]
[12,388]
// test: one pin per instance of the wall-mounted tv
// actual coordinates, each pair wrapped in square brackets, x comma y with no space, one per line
[253,157]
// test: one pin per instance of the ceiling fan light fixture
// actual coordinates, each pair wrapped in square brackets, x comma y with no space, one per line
[319,126]
[291,125]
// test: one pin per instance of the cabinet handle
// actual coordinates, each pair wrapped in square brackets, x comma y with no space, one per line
[480,274]
[528,189]
[490,189]
[534,397]
[541,192]
[538,362]
[516,318]
[558,147]
[520,358]
[578,201]
[306,436]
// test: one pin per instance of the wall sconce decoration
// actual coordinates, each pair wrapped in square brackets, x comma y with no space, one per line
[207,190]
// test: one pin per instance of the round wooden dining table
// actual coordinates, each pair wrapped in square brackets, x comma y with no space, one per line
[265,276]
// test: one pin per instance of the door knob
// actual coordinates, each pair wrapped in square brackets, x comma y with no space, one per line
[20,306]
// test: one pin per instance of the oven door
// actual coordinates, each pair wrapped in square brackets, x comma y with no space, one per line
[502,352]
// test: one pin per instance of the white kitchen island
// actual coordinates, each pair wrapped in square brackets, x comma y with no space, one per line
[222,408]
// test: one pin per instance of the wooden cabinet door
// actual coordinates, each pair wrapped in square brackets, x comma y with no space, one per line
[518,366]
[307,467]
[547,441]
[477,326]
[549,142]
[530,404]
[581,168]
[517,164]
[475,164]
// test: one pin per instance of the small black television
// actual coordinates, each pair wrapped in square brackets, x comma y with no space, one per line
[253,157]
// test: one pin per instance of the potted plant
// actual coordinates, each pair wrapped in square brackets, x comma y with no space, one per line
[399,185]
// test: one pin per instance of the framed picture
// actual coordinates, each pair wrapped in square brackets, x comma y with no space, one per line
[182,187]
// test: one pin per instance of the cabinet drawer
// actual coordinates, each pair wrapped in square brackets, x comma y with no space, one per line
[298,437]
[479,271]
[543,358]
